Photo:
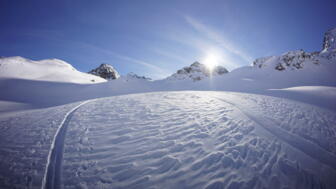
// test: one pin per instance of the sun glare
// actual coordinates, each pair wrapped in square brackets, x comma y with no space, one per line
[211,61]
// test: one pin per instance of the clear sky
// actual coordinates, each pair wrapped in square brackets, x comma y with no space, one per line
[157,37]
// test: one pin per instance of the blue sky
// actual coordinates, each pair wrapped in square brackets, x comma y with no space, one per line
[157,37]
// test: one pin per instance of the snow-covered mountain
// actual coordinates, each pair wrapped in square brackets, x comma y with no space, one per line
[313,72]
[197,71]
[105,71]
[132,76]
[44,70]
[295,60]
[289,61]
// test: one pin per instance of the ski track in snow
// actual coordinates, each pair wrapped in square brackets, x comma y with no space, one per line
[52,175]
[171,140]
[25,140]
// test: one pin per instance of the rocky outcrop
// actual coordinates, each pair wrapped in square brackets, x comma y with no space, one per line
[105,71]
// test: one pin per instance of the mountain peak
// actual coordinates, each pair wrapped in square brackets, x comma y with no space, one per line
[133,76]
[196,63]
[329,41]
[294,60]
[197,71]
[105,71]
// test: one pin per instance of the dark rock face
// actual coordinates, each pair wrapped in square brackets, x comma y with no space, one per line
[105,71]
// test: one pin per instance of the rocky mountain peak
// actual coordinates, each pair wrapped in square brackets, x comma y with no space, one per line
[105,71]
[329,41]
[196,64]
[133,76]
[295,60]
[197,71]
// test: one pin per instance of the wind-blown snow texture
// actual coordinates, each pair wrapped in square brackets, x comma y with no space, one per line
[176,140]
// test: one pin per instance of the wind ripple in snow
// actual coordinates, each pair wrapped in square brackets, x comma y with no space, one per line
[185,140]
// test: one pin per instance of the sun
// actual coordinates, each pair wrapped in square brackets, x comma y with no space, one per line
[211,61]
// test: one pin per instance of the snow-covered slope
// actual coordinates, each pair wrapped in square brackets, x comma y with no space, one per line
[43,70]
[171,140]
[197,71]
[105,71]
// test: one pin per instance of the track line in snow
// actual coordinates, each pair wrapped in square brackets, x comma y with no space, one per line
[307,147]
[51,178]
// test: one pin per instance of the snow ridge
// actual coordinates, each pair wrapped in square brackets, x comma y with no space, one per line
[54,70]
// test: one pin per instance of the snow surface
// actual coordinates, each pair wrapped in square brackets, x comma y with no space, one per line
[44,70]
[322,96]
[174,140]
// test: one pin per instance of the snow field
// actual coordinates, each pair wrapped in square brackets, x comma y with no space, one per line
[172,140]
[25,140]
[191,140]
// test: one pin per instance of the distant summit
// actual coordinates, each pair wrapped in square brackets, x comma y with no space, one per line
[295,60]
[105,71]
[197,71]
[133,76]
[329,42]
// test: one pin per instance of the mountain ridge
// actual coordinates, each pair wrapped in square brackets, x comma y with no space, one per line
[61,71]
